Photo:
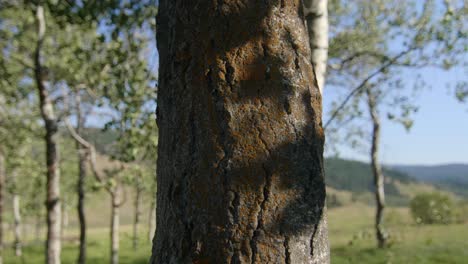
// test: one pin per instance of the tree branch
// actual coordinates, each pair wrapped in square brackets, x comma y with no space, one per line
[91,150]
[363,84]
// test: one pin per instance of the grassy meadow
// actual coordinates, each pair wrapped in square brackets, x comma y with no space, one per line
[352,238]
[350,230]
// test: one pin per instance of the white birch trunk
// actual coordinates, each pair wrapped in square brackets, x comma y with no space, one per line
[316,14]
[17,223]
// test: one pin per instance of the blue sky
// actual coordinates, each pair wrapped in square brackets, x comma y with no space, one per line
[440,131]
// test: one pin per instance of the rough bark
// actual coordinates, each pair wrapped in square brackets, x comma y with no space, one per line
[82,157]
[377,170]
[137,204]
[316,14]
[240,162]
[114,232]
[53,245]
[2,187]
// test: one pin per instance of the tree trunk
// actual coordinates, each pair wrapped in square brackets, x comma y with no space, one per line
[80,205]
[53,245]
[377,170]
[81,185]
[114,233]
[17,224]
[136,222]
[240,162]
[2,187]
[316,13]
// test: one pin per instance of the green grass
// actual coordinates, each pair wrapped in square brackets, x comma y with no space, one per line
[98,249]
[351,238]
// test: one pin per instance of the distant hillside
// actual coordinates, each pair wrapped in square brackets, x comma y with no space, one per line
[452,177]
[102,140]
[345,178]
[356,177]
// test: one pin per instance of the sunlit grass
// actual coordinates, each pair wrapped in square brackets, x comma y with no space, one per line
[351,238]
[98,249]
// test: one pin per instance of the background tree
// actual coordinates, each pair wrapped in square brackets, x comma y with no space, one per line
[316,14]
[140,179]
[80,186]
[21,181]
[66,60]
[16,127]
[52,153]
[122,92]
[152,208]
[373,44]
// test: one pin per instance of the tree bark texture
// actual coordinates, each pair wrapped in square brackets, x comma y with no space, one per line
[53,246]
[316,14]
[240,162]
[377,170]
[2,188]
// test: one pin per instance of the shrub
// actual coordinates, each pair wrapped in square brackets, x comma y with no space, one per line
[333,201]
[433,208]
[462,212]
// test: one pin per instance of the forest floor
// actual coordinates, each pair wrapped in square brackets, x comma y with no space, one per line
[351,238]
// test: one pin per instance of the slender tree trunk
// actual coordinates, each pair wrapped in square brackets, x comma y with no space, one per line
[80,205]
[136,222]
[377,170]
[17,224]
[152,219]
[81,184]
[114,233]
[2,187]
[240,156]
[53,245]
[316,14]
[16,216]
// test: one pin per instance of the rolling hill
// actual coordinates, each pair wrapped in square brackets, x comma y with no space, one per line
[451,177]
[353,180]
